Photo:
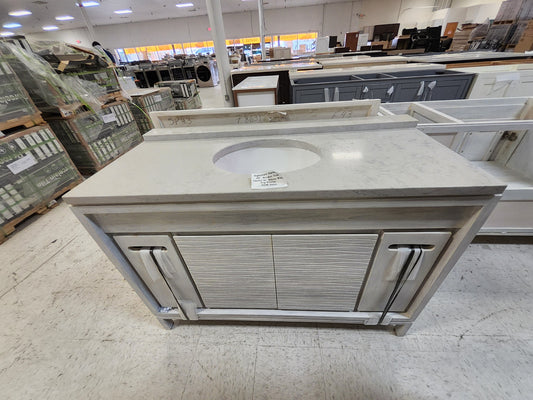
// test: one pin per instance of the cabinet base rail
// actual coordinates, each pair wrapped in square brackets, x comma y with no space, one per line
[356,317]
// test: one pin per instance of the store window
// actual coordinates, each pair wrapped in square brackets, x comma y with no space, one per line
[300,43]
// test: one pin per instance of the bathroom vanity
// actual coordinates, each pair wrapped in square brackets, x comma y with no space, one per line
[355,226]
[497,136]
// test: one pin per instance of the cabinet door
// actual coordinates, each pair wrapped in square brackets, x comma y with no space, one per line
[387,264]
[321,272]
[231,271]
[155,260]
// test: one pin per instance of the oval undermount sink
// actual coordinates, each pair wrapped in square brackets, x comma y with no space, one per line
[257,156]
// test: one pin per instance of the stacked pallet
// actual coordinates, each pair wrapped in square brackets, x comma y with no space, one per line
[147,100]
[513,10]
[95,138]
[48,91]
[461,37]
[525,42]
[185,93]
[94,124]
[34,167]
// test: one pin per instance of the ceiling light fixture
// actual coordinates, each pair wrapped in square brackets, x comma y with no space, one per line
[126,11]
[185,5]
[90,3]
[5,33]
[11,25]
[64,18]
[50,28]
[19,13]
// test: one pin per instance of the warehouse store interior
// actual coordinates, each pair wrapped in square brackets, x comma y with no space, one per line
[266,199]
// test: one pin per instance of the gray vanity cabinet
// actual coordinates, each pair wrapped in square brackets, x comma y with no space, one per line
[388,87]
[231,271]
[321,272]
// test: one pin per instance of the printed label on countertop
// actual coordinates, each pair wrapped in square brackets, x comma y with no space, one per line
[268,180]
[107,118]
[22,163]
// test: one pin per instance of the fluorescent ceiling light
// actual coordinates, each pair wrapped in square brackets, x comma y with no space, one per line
[126,11]
[11,25]
[184,5]
[64,17]
[50,28]
[6,33]
[19,13]
[90,3]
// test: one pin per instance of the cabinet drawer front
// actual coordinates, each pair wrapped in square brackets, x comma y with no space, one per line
[231,271]
[321,272]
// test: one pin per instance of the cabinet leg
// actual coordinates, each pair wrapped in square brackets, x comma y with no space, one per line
[167,323]
[402,329]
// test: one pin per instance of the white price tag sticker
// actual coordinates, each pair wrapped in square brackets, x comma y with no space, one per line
[158,98]
[22,163]
[107,118]
[268,180]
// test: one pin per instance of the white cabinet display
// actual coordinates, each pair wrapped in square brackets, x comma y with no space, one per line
[364,235]
[512,80]
[497,136]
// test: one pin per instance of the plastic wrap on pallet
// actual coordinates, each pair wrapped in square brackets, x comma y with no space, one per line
[14,100]
[188,103]
[86,64]
[93,139]
[182,88]
[34,169]
[143,104]
[51,92]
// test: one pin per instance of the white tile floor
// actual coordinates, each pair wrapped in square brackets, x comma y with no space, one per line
[71,328]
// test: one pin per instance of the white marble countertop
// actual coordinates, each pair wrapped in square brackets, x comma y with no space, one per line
[353,165]
[495,68]
[294,66]
[340,61]
[258,82]
[465,56]
[365,70]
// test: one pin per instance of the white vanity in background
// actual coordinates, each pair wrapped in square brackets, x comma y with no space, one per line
[361,225]
[497,136]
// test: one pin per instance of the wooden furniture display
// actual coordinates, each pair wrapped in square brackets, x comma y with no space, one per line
[351,39]
[256,91]
[199,243]
[497,135]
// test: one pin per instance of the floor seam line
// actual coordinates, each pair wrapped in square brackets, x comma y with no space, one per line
[38,268]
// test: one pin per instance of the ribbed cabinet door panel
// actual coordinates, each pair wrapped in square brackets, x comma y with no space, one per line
[321,272]
[231,271]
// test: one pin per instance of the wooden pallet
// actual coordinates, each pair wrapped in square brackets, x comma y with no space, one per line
[26,121]
[503,22]
[9,227]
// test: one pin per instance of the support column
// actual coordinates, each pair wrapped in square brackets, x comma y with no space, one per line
[90,28]
[214,11]
[261,10]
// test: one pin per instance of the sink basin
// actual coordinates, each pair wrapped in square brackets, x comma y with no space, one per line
[280,155]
